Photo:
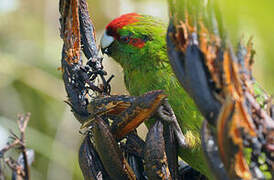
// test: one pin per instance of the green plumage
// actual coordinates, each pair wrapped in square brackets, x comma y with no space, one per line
[147,69]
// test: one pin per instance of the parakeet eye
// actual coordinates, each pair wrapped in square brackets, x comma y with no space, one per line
[147,38]
[124,39]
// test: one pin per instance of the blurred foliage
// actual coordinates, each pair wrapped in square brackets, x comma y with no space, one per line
[245,18]
[30,50]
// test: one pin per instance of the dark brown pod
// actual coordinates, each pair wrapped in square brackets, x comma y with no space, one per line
[210,149]
[110,154]
[140,110]
[171,148]
[135,145]
[156,165]
[90,163]
[188,65]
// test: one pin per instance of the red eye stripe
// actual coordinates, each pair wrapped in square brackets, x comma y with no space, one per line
[137,42]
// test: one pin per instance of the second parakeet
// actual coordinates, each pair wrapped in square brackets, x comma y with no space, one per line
[137,43]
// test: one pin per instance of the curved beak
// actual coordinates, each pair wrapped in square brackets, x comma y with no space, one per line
[105,43]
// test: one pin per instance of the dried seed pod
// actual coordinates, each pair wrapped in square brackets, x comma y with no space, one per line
[188,66]
[221,83]
[210,148]
[171,149]
[134,145]
[106,105]
[136,163]
[133,150]
[90,163]
[140,110]
[110,154]
[127,112]
[87,32]
[156,165]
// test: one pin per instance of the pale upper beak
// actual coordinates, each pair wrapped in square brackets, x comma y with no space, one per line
[105,42]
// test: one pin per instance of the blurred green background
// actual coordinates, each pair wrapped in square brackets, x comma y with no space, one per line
[30,51]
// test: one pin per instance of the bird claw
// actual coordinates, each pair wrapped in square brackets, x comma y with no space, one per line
[166,113]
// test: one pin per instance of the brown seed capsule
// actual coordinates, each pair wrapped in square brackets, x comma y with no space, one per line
[90,163]
[156,165]
[140,110]
[110,154]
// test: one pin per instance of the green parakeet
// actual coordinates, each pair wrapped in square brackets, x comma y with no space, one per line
[137,43]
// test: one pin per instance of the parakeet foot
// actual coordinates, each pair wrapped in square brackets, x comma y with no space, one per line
[166,113]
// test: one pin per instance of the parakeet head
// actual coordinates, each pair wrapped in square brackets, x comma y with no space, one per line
[133,39]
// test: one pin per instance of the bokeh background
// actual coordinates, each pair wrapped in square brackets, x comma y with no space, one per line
[30,52]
